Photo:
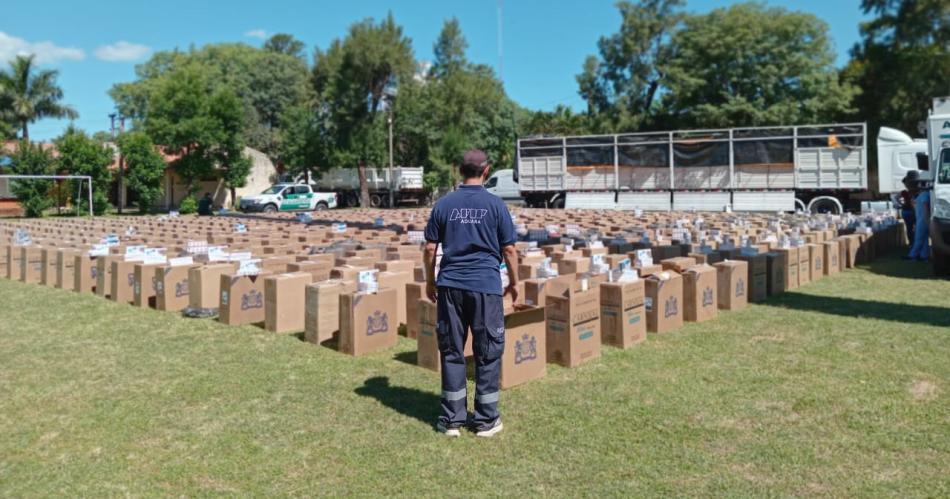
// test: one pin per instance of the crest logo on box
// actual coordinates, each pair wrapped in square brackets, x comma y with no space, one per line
[181,288]
[818,264]
[671,307]
[526,349]
[707,297]
[377,323]
[131,279]
[252,299]
[740,287]
[94,272]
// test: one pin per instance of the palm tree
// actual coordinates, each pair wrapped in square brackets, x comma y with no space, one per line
[28,94]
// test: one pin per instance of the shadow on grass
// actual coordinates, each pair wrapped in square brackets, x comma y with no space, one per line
[851,307]
[894,266]
[411,402]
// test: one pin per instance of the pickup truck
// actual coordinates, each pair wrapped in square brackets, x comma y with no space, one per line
[289,197]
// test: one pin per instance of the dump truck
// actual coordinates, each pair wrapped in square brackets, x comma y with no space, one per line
[822,168]
[406,184]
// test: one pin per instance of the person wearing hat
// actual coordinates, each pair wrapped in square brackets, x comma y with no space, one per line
[906,203]
[475,231]
[921,248]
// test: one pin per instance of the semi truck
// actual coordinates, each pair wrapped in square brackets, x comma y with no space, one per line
[936,169]
[821,168]
[407,185]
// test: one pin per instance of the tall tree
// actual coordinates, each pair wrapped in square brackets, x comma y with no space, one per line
[449,50]
[201,121]
[748,65]
[623,86]
[282,43]
[352,78]
[144,168]
[33,195]
[902,61]
[80,154]
[28,94]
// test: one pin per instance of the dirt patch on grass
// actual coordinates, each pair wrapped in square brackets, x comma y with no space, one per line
[923,389]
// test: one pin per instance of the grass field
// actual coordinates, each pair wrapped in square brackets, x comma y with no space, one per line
[839,388]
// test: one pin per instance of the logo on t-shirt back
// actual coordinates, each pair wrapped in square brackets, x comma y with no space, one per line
[467,215]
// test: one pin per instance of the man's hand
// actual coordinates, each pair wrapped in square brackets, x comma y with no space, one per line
[430,291]
[512,290]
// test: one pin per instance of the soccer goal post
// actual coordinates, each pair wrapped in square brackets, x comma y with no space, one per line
[81,178]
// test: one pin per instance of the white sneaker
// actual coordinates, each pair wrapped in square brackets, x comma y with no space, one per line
[449,432]
[492,431]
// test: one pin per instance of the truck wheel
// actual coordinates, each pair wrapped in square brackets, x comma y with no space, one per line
[271,208]
[558,203]
[322,206]
[375,200]
[352,200]
[941,263]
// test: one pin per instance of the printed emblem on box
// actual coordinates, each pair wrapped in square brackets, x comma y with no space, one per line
[670,308]
[707,297]
[131,279]
[740,287]
[252,299]
[377,323]
[817,263]
[181,289]
[94,271]
[526,349]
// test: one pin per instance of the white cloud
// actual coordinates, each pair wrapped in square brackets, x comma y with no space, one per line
[256,33]
[46,52]
[122,51]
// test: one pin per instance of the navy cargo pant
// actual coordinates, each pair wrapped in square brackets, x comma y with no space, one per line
[460,310]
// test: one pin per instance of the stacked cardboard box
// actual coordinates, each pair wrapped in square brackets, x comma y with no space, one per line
[241,299]
[171,287]
[322,315]
[284,302]
[622,316]
[700,293]
[573,324]
[732,277]
[367,321]
[777,271]
[758,276]
[525,354]
[663,301]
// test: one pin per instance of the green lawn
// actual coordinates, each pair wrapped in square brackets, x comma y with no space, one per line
[840,388]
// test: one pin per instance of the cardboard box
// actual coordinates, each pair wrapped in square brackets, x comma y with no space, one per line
[322,309]
[277,264]
[777,270]
[66,268]
[171,287]
[791,266]
[48,271]
[831,253]
[5,260]
[85,273]
[104,274]
[396,281]
[804,265]
[367,322]
[396,266]
[816,256]
[241,299]
[347,272]
[648,270]
[123,281]
[525,354]
[427,343]
[679,263]
[622,316]
[284,302]
[732,279]
[145,286]
[537,290]
[204,284]
[14,263]
[699,293]
[663,302]
[318,271]
[573,266]
[31,264]
[573,325]
[415,291]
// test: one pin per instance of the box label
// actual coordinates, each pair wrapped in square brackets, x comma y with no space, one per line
[671,307]
[526,349]
[252,299]
[377,323]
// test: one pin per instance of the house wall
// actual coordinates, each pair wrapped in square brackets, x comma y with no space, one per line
[260,178]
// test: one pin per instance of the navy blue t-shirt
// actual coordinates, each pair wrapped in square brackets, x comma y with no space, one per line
[473,226]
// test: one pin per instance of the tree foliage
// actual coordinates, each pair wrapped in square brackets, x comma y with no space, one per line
[80,154]
[144,168]
[902,61]
[33,194]
[28,94]
[282,43]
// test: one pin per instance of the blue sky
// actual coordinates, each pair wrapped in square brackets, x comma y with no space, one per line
[97,43]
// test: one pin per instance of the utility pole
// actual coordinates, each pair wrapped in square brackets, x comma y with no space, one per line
[392,179]
[121,165]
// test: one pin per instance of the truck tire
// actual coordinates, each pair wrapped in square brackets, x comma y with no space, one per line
[352,200]
[271,208]
[558,203]
[376,200]
[322,206]
[941,263]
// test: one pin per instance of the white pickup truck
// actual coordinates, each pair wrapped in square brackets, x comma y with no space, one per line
[289,197]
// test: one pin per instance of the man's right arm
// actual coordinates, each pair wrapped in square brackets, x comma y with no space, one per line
[428,258]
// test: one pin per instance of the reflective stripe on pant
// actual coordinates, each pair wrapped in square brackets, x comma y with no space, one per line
[460,310]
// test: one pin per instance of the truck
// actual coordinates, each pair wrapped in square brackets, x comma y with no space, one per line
[406,184]
[821,168]
[937,169]
[288,197]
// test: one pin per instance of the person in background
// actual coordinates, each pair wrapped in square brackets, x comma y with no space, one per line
[205,205]
[476,233]
[906,204]
[921,249]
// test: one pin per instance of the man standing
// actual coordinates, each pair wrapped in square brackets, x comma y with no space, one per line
[475,231]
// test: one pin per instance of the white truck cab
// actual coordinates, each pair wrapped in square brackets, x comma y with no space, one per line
[289,197]
[938,150]
[502,183]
